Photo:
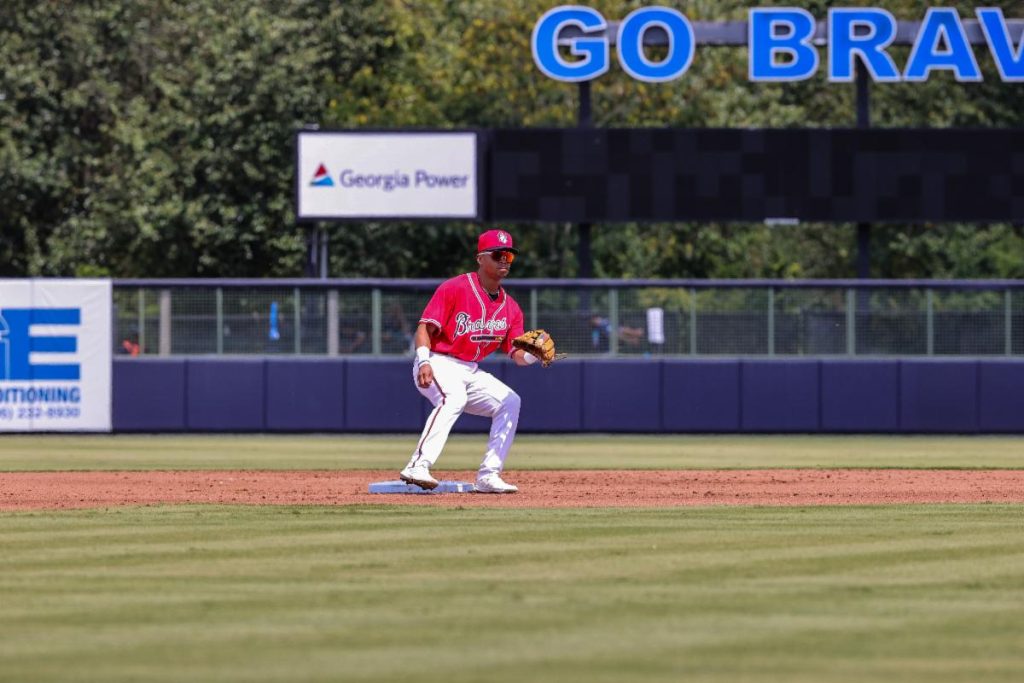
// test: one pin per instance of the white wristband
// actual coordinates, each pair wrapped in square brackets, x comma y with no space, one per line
[422,355]
[529,358]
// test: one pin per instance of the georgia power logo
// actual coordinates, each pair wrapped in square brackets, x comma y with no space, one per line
[322,178]
[419,179]
[503,238]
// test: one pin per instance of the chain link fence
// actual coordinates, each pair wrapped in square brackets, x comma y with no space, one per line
[618,318]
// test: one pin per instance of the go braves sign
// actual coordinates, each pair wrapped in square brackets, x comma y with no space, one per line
[781,44]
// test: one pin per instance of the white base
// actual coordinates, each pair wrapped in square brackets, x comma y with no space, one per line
[401,487]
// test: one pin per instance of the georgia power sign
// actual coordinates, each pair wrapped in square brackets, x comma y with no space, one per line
[781,43]
[55,355]
[349,175]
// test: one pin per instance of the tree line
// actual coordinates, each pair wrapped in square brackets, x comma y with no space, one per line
[155,138]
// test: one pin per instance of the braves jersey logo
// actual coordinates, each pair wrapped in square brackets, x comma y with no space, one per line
[464,325]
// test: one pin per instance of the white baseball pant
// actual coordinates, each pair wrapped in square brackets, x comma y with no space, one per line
[462,386]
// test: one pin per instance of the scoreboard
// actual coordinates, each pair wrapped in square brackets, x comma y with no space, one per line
[775,175]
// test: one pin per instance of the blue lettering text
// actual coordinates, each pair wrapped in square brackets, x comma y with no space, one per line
[594,50]
[630,44]
[843,45]
[784,31]
[941,25]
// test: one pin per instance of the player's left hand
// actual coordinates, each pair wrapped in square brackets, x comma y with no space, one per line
[540,344]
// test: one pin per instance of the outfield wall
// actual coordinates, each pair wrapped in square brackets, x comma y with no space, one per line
[721,395]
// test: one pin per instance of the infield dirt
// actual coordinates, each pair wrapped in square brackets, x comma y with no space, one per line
[538,489]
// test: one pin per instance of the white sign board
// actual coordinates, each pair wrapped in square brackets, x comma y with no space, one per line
[348,175]
[55,355]
[656,325]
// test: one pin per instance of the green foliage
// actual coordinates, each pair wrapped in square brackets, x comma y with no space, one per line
[147,139]
[155,138]
[956,251]
[475,69]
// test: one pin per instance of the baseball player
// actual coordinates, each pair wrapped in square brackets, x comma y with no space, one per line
[468,318]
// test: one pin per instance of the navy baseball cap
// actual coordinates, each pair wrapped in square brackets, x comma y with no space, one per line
[495,240]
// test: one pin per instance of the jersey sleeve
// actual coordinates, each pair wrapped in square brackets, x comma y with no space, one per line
[440,306]
[515,328]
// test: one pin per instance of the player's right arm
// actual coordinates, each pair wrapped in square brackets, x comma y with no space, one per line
[424,373]
[438,311]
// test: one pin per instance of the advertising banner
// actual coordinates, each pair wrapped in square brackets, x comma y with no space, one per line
[55,355]
[783,43]
[352,175]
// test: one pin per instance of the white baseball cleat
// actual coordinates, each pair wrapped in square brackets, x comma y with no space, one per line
[419,475]
[492,483]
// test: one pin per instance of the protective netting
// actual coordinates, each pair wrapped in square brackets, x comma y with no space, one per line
[612,321]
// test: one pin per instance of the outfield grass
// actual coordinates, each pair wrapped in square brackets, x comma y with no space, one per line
[20,453]
[924,593]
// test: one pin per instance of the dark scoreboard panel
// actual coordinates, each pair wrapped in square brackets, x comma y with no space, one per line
[705,174]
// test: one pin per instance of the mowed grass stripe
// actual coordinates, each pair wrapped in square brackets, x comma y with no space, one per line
[532,452]
[166,540]
[386,594]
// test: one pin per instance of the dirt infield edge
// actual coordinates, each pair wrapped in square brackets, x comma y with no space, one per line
[538,489]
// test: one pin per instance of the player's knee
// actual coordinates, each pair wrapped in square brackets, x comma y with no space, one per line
[512,402]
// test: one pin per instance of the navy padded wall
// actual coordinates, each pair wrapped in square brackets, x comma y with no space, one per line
[860,396]
[551,396]
[621,396]
[305,395]
[225,396]
[939,395]
[926,396]
[148,395]
[1001,396]
[780,396]
[701,396]
[380,397]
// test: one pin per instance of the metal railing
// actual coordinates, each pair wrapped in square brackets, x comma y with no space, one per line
[619,318]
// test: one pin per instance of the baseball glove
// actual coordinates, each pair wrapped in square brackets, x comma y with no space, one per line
[540,344]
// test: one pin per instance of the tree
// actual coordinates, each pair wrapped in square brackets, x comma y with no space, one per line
[156,138]
[463,67]
[146,138]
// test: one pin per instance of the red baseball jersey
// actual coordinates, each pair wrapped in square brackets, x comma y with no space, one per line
[472,326]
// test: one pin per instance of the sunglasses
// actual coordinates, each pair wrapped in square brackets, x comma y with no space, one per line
[506,256]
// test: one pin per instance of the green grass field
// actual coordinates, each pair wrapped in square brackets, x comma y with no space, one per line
[529,452]
[927,593]
[386,593]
